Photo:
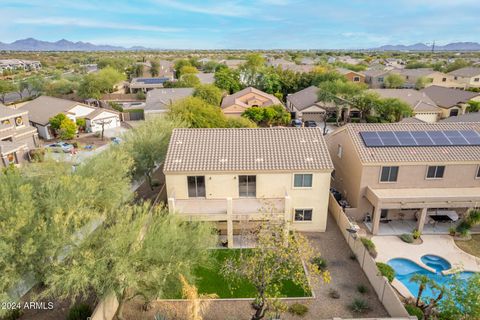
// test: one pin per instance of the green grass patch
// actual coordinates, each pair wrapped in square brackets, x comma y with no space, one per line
[210,280]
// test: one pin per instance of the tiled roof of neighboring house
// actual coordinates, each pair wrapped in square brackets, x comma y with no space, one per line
[420,72]
[232,99]
[304,98]
[347,71]
[299,67]
[467,117]
[411,120]
[43,108]
[6,112]
[418,100]
[206,77]
[247,149]
[466,72]
[161,99]
[439,154]
[447,97]
[374,73]
[98,111]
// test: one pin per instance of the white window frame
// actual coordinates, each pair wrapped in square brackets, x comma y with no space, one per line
[247,175]
[293,180]
[302,221]
[380,175]
[436,168]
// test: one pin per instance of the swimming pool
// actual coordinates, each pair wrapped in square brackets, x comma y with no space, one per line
[405,269]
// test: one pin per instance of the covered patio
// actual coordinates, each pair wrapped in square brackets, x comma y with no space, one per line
[431,210]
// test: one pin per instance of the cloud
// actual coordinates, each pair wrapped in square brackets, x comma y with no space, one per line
[228,9]
[62,21]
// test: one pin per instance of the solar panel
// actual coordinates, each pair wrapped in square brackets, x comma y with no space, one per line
[152,80]
[420,138]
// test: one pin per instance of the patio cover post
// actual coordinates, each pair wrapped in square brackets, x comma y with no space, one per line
[229,222]
[421,220]
[171,205]
[376,219]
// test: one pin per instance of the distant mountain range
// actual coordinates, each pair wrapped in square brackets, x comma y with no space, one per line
[456,46]
[31,44]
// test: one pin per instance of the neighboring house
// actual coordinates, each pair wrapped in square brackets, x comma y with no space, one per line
[422,106]
[407,175]
[452,101]
[17,137]
[16,64]
[159,100]
[232,176]
[394,63]
[411,77]
[375,78]
[352,76]
[165,69]
[43,108]
[304,105]
[308,61]
[282,63]
[146,84]
[468,77]
[349,60]
[235,104]
[467,117]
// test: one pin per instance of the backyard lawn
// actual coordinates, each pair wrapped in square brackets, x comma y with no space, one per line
[471,246]
[210,280]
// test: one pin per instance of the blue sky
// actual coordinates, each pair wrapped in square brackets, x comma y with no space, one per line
[230,24]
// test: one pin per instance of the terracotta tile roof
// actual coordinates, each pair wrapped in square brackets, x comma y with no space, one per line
[247,149]
[447,97]
[467,72]
[235,98]
[417,100]
[412,154]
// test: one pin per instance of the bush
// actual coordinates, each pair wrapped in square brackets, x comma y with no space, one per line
[372,119]
[359,306]
[13,314]
[370,246]
[298,309]
[407,237]
[37,155]
[80,311]
[463,228]
[386,271]
[363,289]
[334,294]
[320,262]
[140,95]
[414,311]
[416,234]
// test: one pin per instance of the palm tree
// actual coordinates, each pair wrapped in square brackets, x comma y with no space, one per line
[423,281]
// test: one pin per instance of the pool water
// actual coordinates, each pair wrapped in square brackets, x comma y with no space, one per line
[405,269]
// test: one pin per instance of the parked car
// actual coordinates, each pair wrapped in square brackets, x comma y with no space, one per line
[296,123]
[310,123]
[60,147]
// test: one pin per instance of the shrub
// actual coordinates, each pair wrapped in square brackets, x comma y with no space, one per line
[37,155]
[370,246]
[414,311]
[463,228]
[416,234]
[80,311]
[159,316]
[363,289]
[298,309]
[156,183]
[359,306]
[334,294]
[140,95]
[386,271]
[13,314]
[81,123]
[320,262]
[372,119]
[407,237]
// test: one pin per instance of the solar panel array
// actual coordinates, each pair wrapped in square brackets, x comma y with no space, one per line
[420,138]
[153,80]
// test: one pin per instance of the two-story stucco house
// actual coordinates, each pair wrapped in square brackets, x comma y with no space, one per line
[235,104]
[17,137]
[404,176]
[229,176]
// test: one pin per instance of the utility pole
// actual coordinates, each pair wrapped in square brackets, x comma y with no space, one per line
[433,46]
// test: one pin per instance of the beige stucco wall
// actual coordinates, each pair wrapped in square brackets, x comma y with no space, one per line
[437,80]
[269,185]
[429,117]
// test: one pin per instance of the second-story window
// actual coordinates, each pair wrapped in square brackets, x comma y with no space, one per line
[303,180]
[478,172]
[389,174]
[435,172]
[196,186]
[247,186]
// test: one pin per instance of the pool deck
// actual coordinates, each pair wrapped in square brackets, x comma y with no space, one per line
[390,247]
